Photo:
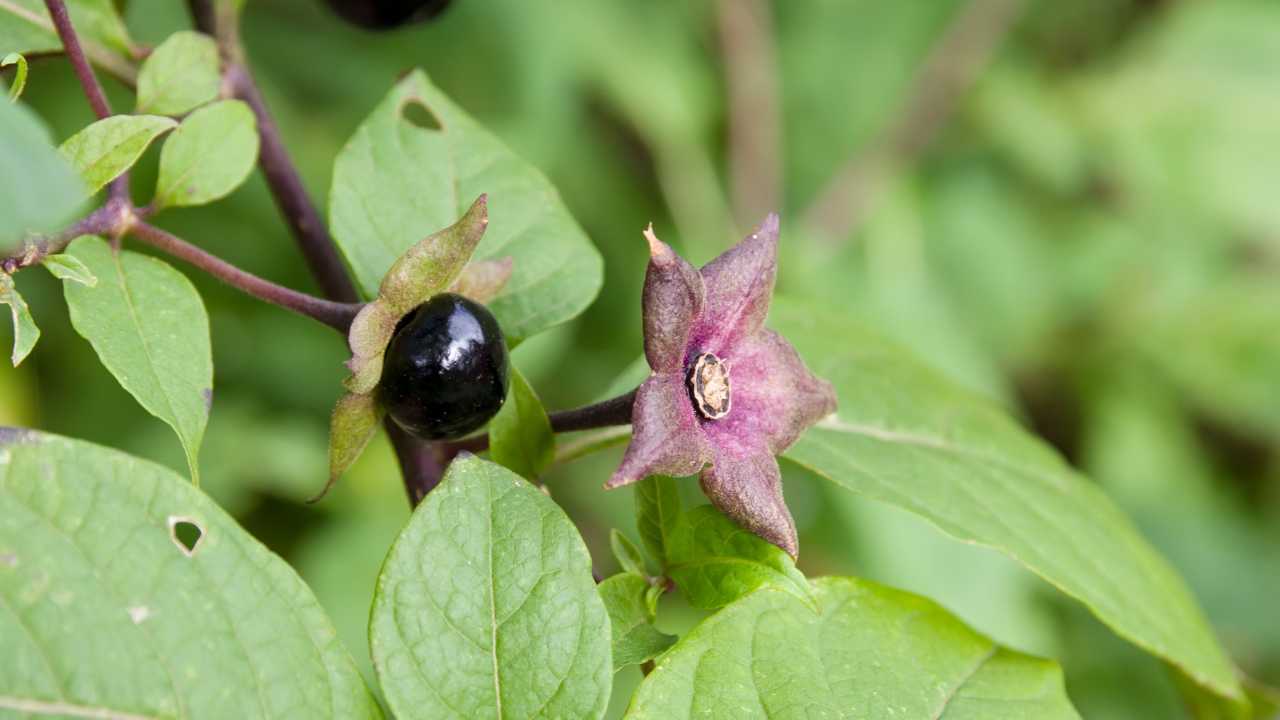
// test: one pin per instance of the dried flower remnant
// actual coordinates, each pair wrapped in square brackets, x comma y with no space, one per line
[725,395]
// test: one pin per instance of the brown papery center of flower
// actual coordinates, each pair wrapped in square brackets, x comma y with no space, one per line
[709,386]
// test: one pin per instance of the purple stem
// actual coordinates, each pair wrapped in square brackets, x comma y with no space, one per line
[334,314]
[75,53]
[119,189]
[291,196]
[614,411]
[420,462]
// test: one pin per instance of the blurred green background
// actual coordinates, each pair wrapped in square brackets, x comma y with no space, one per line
[1091,238]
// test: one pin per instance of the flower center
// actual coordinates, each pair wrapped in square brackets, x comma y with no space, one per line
[709,385]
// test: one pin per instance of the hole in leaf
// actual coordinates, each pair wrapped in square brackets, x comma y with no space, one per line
[186,534]
[417,114]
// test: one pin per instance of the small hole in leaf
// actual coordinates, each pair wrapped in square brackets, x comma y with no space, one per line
[186,534]
[417,114]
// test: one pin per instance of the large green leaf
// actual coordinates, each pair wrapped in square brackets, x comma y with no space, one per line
[714,561]
[109,147]
[112,606]
[415,165]
[486,608]
[208,156]
[25,27]
[39,191]
[905,436]
[148,325]
[180,75]
[872,652]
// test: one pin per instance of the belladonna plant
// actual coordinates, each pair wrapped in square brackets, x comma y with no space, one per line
[136,594]
[726,395]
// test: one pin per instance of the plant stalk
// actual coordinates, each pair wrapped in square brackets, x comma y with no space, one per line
[420,463]
[334,314]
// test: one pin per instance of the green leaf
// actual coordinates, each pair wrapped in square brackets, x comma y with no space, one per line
[520,436]
[486,607]
[19,74]
[657,509]
[626,552]
[148,325]
[39,191]
[209,155]
[25,27]
[715,562]
[109,147]
[69,268]
[352,425]
[413,166]
[635,639]
[130,594]
[180,75]
[906,436]
[872,650]
[25,332]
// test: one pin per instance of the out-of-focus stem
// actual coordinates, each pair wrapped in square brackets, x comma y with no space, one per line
[951,67]
[755,135]
[75,53]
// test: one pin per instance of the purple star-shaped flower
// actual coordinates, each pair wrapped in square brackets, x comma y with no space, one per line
[726,395]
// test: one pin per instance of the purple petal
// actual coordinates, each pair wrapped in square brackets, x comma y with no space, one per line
[673,295]
[665,436]
[775,397]
[749,490]
[739,286]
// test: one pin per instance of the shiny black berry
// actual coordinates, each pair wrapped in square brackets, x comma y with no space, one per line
[387,14]
[445,370]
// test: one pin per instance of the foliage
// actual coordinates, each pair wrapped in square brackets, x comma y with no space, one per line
[1052,330]
[485,606]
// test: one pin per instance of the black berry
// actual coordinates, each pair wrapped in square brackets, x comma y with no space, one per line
[387,14]
[445,370]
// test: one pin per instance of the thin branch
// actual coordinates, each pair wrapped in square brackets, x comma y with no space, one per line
[614,411]
[334,314]
[119,189]
[309,229]
[953,64]
[611,412]
[75,53]
[102,221]
[420,465]
[203,16]
[755,130]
